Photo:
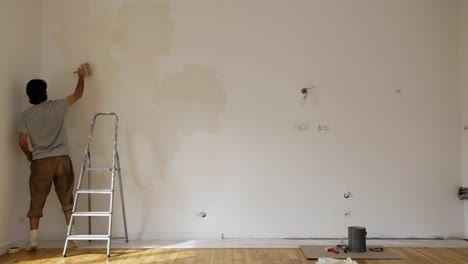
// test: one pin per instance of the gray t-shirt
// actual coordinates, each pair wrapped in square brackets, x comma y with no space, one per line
[44,124]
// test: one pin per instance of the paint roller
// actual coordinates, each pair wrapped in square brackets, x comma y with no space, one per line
[87,68]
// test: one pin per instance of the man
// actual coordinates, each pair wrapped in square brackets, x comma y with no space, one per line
[50,160]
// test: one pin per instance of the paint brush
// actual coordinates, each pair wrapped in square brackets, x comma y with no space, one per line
[87,68]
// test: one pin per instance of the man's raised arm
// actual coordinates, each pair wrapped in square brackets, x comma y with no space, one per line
[71,99]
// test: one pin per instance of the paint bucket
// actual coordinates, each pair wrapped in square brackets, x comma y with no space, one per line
[357,239]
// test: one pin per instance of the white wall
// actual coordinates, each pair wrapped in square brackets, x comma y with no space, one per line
[20,24]
[208,94]
[464,95]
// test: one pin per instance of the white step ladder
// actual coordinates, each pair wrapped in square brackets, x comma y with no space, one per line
[108,192]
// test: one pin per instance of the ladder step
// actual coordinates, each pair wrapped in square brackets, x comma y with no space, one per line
[88,237]
[92,214]
[105,191]
[100,169]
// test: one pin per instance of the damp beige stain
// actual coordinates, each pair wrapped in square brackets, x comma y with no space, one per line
[124,45]
[191,100]
[186,102]
[82,34]
[143,30]
[124,41]
[141,33]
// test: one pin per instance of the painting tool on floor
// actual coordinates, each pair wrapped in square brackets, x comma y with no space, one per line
[356,248]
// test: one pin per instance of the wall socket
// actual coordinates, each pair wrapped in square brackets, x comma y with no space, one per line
[323,128]
[200,214]
[302,126]
[20,219]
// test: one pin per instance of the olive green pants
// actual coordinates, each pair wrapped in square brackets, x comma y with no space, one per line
[44,172]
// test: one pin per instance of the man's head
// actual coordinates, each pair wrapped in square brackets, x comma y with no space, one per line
[36,91]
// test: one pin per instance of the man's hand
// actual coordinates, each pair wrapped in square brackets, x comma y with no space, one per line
[81,71]
[29,156]
[23,142]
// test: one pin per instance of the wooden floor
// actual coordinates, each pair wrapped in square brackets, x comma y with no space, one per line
[234,256]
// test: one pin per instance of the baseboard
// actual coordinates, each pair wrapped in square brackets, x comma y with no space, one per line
[143,236]
[206,235]
[16,243]
[173,236]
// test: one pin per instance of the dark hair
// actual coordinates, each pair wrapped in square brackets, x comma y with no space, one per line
[36,91]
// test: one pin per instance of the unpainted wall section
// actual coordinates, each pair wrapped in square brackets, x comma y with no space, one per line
[212,118]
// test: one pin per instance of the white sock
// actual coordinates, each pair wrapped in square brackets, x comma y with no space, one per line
[33,237]
[32,241]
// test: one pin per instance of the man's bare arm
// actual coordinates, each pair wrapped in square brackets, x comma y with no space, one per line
[71,99]
[23,142]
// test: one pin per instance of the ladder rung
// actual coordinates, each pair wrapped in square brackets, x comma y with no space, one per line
[105,191]
[92,214]
[88,237]
[100,169]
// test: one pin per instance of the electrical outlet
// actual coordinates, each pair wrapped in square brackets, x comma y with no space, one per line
[302,126]
[200,214]
[323,128]
[20,219]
